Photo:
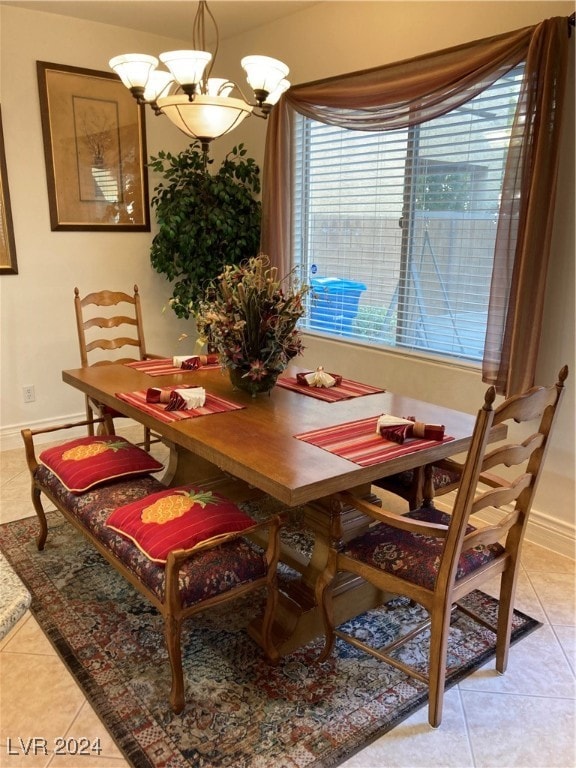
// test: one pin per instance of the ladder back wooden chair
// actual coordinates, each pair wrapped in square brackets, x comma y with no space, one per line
[436,558]
[109,323]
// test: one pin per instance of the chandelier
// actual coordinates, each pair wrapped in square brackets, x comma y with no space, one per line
[200,105]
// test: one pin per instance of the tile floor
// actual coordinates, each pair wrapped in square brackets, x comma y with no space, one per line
[523,719]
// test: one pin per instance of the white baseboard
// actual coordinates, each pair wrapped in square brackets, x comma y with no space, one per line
[11,439]
[552,533]
[544,530]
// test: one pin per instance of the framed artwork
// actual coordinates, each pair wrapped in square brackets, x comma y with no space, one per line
[95,150]
[8,263]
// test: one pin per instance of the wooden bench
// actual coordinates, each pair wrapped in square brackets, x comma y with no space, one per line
[176,589]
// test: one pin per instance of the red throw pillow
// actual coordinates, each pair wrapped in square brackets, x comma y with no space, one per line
[88,461]
[177,518]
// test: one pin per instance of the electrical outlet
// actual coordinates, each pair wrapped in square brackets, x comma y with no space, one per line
[29,394]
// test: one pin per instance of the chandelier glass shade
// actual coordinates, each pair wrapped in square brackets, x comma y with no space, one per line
[207,117]
[199,105]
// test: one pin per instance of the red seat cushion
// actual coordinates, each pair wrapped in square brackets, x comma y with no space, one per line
[209,573]
[177,518]
[415,557]
[88,461]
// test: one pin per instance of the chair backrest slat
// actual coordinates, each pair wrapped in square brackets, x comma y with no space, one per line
[111,344]
[512,454]
[526,406]
[499,497]
[108,298]
[87,322]
[109,322]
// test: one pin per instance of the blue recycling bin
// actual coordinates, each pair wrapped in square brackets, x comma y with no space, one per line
[334,304]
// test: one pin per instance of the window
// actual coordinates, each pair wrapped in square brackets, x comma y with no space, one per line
[395,230]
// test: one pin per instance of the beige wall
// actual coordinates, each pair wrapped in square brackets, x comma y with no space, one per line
[37,324]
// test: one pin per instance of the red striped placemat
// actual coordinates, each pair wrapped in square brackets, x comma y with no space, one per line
[344,391]
[359,442]
[213,404]
[163,367]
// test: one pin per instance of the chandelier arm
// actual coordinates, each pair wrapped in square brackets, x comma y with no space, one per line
[243,96]
[241,92]
[226,84]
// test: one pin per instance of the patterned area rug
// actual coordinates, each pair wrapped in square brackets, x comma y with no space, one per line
[240,712]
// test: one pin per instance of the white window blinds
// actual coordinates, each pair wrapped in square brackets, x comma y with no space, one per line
[395,230]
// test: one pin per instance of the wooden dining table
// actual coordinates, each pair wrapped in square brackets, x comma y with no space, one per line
[253,452]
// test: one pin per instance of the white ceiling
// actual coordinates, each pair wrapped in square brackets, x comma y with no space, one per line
[172,18]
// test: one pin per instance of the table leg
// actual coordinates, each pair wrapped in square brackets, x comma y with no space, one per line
[186,467]
[422,490]
[428,486]
[298,620]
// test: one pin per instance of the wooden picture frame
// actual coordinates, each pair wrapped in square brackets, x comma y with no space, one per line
[95,150]
[8,263]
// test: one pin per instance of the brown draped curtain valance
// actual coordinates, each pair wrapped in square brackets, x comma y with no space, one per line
[419,89]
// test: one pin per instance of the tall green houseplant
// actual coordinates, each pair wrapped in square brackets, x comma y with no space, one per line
[206,220]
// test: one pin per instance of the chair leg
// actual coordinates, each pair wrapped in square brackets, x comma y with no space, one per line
[146,439]
[505,612]
[172,634]
[37,503]
[439,630]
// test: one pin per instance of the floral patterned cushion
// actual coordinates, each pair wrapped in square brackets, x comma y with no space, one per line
[415,557]
[177,518]
[88,461]
[207,574]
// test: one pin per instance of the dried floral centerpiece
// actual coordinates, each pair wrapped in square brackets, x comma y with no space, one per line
[251,321]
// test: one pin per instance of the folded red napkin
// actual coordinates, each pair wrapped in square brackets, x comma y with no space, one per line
[177,400]
[398,433]
[156,395]
[174,401]
[197,361]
